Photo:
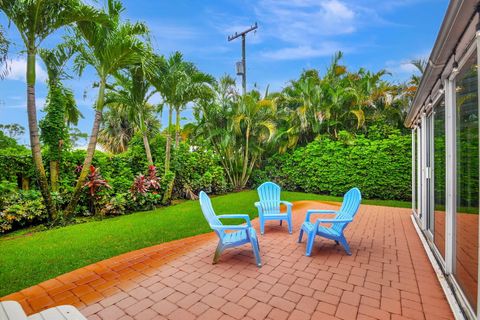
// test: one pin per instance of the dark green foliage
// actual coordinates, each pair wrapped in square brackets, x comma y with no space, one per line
[380,168]
[15,164]
[195,171]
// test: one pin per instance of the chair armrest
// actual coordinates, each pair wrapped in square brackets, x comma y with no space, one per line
[288,204]
[258,205]
[334,220]
[314,211]
[227,227]
[236,216]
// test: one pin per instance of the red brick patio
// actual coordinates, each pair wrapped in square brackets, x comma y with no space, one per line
[388,277]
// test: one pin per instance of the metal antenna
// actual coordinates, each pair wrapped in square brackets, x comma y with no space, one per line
[242,66]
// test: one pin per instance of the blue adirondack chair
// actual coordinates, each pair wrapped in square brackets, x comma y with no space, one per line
[269,206]
[241,234]
[351,202]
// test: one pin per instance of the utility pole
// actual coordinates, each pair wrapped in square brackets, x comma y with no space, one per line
[242,66]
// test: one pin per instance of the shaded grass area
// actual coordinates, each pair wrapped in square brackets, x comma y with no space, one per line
[30,258]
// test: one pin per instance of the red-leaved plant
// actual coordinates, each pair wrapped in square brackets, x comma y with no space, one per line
[152,178]
[95,181]
[142,184]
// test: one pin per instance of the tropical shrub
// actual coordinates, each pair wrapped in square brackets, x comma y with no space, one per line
[380,168]
[20,208]
[197,170]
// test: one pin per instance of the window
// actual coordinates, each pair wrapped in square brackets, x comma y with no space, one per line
[466,262]
[439,166]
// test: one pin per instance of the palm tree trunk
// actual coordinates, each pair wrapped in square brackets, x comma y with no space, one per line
[243,181]
[90,152]
[177,127]
[34,136]
[147,149]
[54,166]
[168,192]
[169,140]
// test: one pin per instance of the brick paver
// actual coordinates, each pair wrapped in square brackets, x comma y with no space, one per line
[388,277]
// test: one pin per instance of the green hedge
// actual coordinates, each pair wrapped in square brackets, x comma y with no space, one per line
[380,168]
[194,169]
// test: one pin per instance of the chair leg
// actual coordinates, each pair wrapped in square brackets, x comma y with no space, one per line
[256,248]
[290,227]
[281,222]
[218,252]
[309,247]
[345,245]
[262,225]
[300,236]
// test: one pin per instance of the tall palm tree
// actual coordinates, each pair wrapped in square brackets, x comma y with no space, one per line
[61,109]
[195,85]
[168,78]
[35,21]
[108,49]
[131,91]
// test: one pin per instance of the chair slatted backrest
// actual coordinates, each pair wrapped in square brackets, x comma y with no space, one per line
[207,210]
[269,194]
[349,208]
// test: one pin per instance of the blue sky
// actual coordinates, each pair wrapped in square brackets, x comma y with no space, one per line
[293,35]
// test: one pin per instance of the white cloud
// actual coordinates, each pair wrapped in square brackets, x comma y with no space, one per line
[302,22]
[403,69]
[18,69]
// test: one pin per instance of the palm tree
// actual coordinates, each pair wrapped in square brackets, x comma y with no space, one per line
[61,109]
[4,44]
[237,127]
[116,130]
[131,91]
[195,85]
[108,49]
[300,105]
[420,65]
[254,122]
[168,76]
[35,21]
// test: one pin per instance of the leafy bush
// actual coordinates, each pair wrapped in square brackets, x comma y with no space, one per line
[381,168]
[114,206]
[195,170]
[20,208]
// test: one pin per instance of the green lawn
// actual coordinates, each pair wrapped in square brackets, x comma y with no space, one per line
[30,258]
